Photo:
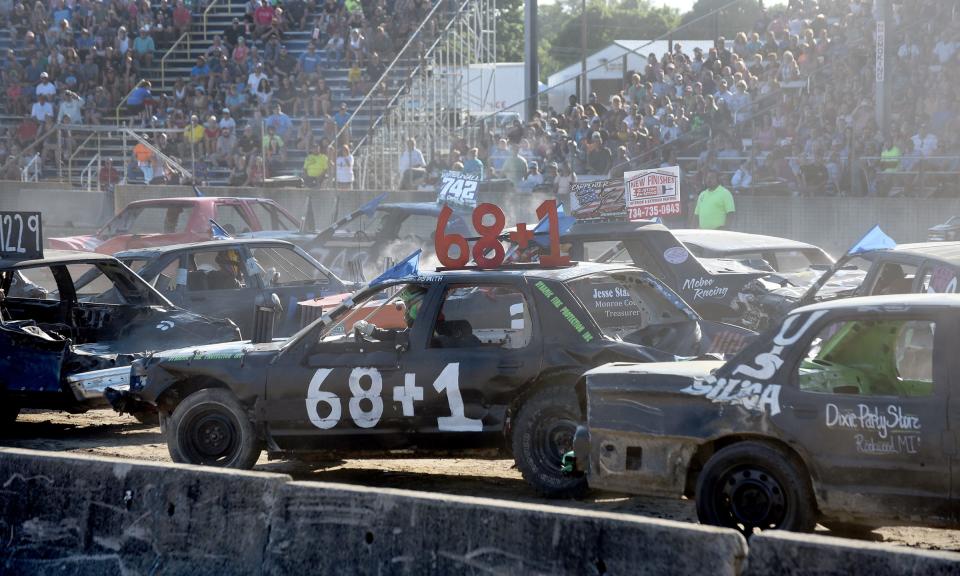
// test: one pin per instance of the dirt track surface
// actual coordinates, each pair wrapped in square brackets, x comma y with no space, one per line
[103,433]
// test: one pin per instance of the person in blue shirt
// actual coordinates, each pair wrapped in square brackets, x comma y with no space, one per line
[473,165]
[280,122]
[309,60]
[140,99]
[200,72]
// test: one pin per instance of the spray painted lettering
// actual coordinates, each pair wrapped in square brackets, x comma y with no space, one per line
[750,395]
[766,364]
[704,288]
[891,431]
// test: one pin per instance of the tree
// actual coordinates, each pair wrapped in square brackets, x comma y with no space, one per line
[510,30]
[711,18]
[606,23]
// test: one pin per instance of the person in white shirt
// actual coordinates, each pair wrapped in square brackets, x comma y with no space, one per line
[41,109]
[253,80]
[925,142]
[945,48]
[345,168]
[46,87]
[72,107]
[412,165]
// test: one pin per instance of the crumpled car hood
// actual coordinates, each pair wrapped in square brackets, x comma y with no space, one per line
[84,243]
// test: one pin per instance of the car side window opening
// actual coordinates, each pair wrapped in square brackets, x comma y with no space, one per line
[625,304]
[938,279]
[149,220]
[272,219]
[894,278]
[216,270]
[868,357]
[284,267]
[166,280]
[32,283]
[385,312]
[232,219]
[92,285]
[475,316]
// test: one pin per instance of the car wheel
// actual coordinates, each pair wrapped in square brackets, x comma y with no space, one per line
[211,428]
[542,433]
[752,486]
[8,414]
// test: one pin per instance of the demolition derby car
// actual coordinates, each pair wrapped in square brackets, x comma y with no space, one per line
[844,414]
[227,278]
[440,361]
[165,221]
[71,322]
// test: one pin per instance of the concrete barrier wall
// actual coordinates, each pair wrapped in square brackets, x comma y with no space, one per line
[788,554]
[67,514]
[834,223]
[75,514]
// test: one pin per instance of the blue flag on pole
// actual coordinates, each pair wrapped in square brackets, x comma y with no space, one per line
[197,192]
[875,239]
[370,207]
[402,269]
[217,232]
[564,223]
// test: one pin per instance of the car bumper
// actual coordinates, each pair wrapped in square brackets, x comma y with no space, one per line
[90,386]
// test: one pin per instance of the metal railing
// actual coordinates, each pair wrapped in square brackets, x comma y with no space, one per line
[31,172]
[163,60]
[167,159]
[206,13]
[386,73]
[88,174]
[122,102]
[77,151]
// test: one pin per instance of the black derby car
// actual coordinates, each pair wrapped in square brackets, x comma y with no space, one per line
[457,360]
[846,413]
[63,340]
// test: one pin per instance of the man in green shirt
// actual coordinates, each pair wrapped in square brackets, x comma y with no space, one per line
[315,166]
[515,168]
[715,208]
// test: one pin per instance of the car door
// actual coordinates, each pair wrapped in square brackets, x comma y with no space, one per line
[293,277]
[344,393]
[483,348]
[865,399]
[214,290]
[936,278]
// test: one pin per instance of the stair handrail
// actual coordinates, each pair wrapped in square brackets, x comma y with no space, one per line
[389,68]
[123,101]
[163,60]
[170,161]
[87,171]
[75,152]
[33,164]
[205,13]
[427,54]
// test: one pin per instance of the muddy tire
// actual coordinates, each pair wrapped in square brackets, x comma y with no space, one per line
[751,486]
[542,433]
[8,414]
[211,428]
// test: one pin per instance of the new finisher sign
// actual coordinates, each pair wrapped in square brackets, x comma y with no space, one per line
[652,193]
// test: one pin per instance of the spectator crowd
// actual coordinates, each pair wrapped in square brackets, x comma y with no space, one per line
[245,103]
[787,105]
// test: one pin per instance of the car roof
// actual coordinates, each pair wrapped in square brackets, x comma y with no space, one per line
[155,251]
[946,251]
[730,241]
[611,230]
[196,200]
[56,257]
[890,301]
[535,271]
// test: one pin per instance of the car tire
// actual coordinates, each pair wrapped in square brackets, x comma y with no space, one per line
[542,432]
[8,414]
[211,428]
[751,485]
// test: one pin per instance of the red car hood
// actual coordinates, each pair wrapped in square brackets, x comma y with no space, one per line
[85,243]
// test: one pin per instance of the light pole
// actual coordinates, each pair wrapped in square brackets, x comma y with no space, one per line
[532,65]
[583,52]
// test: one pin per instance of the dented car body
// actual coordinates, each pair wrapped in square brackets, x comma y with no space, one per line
[456,374]
[63,341]
[847,412]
